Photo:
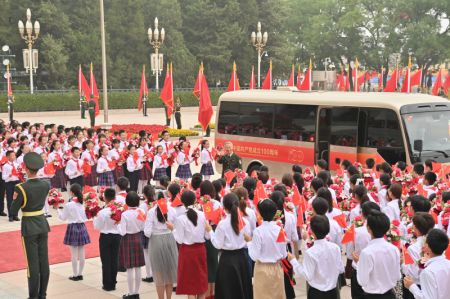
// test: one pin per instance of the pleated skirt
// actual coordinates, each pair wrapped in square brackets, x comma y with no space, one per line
[76,235]
[268,282]
[192,270]
[163,258]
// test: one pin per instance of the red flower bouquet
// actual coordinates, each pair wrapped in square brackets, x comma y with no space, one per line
[393,235]
[55,198]
[91,204]
[116,211]
[358,221]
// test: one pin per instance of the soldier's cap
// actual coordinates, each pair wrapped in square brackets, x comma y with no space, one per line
[33,161]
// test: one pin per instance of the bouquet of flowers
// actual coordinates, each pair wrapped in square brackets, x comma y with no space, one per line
[393,235]
[445,217]
[204,199]
[341,196]
[406,213]
[116,211]
[101,191]
[358,221]
[308,175]
[91,204]
[55,198]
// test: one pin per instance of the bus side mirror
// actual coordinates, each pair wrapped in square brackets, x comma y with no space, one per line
[418,145]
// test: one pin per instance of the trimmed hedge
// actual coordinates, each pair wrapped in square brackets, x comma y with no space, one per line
[69,101]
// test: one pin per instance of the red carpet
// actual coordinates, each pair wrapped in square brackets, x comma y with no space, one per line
[12,255]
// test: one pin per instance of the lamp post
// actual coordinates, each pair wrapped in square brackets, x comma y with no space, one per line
[26,32]
[259,41]
[156,39]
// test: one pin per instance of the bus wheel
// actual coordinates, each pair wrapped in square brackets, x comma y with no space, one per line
[252,167]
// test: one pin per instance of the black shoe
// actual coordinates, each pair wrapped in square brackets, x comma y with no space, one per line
[174,289]
[11,219]
[3,214]
[73,278]
[108,289]
[206,136]
[15,218]
[127,296]
[79,277]
[147,279]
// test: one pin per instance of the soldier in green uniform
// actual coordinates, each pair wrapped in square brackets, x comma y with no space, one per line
[30,198]
[167,116]
[228,159]
[144,105]
[178,113]
[83,105]
[92,105]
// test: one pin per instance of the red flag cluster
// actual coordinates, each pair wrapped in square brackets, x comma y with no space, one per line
[201,91]
[167,91]
[88,90]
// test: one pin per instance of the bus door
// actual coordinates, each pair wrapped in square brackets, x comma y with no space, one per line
[338,133]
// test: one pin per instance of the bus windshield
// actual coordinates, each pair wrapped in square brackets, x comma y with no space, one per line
[432,130]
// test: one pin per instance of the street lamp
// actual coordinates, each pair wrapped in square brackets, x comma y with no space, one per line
[156,39]
[259,41]
[30,55]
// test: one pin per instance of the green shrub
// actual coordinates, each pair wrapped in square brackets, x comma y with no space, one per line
[69,101]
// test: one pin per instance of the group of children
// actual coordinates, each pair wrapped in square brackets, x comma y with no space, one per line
[243,237]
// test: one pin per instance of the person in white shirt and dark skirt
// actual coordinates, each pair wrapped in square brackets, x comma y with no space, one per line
[76,234]
[378,265]
[163,252]
[131,252]
[233,279]
[160,164]
[134,166]
[109,241]
[322,263]
[267,253]
[74,168]
[184,162]
[190,232]
[104,170]
[206,159]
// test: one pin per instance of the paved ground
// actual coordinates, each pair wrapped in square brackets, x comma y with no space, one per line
[13,285]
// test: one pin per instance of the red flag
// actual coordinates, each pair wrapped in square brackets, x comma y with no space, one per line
[391,84]
[299,78]
[234,81]
[340,82]
[436,167]
[141,215]
[437,84]
[8,82]
[307,80]
[229,176]
[49,169]
[205,111]
[407,258]
[87,168]
[296,197]
[198,82]
[291,78]
[240,220]
[447,252]
[281,236]
[340,219]
[446,85]
[83,86]
[300,220]
[406,87]
[143,91]
[267,84]
[349,235]
[208,209]
[167,91]
[177,201]
[421,191]
[416,78]
[259,193]
[215,216]
[162,205]
[94,91]
[252,84]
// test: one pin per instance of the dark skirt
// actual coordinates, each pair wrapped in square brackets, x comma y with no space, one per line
[233,279]
[192,276]
[145,174]
[76,235]
[118,172]
[207,169]
[316,294]
[59,180]
[184,172]
[131,252]
[91,179]
[106,179]
[212,259]
[144,241]
[159,173]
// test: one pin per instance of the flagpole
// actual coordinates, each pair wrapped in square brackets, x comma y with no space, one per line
[104,77]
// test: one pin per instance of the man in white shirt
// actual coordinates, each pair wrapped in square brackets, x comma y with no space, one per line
[10,175]
[378,265]
[435,278]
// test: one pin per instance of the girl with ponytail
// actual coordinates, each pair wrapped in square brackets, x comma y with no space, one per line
[190,232]
[233,273]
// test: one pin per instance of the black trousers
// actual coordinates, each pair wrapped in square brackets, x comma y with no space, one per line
[78,180]
[2,194]
[38,269]
[356,290]
[133,177]
[388,295]
[109,255]
[9,188]
[316,294]
[144,108]
[169,172]
[178,120]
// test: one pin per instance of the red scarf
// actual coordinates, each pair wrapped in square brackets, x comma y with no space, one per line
[78,164]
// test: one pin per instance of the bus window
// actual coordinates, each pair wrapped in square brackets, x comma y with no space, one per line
[344,127]
[384,133]
[295,122]
[256,120]
[228,118]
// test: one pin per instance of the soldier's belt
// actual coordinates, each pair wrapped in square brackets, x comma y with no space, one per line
[31,214]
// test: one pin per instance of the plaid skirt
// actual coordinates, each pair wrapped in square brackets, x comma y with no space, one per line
[144,240]
[145,174]
[131,252]
[76,235]
[207,169]
[106,179]
[91,179]
[184,171]
[159,173]
[59,180]
[118,172]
